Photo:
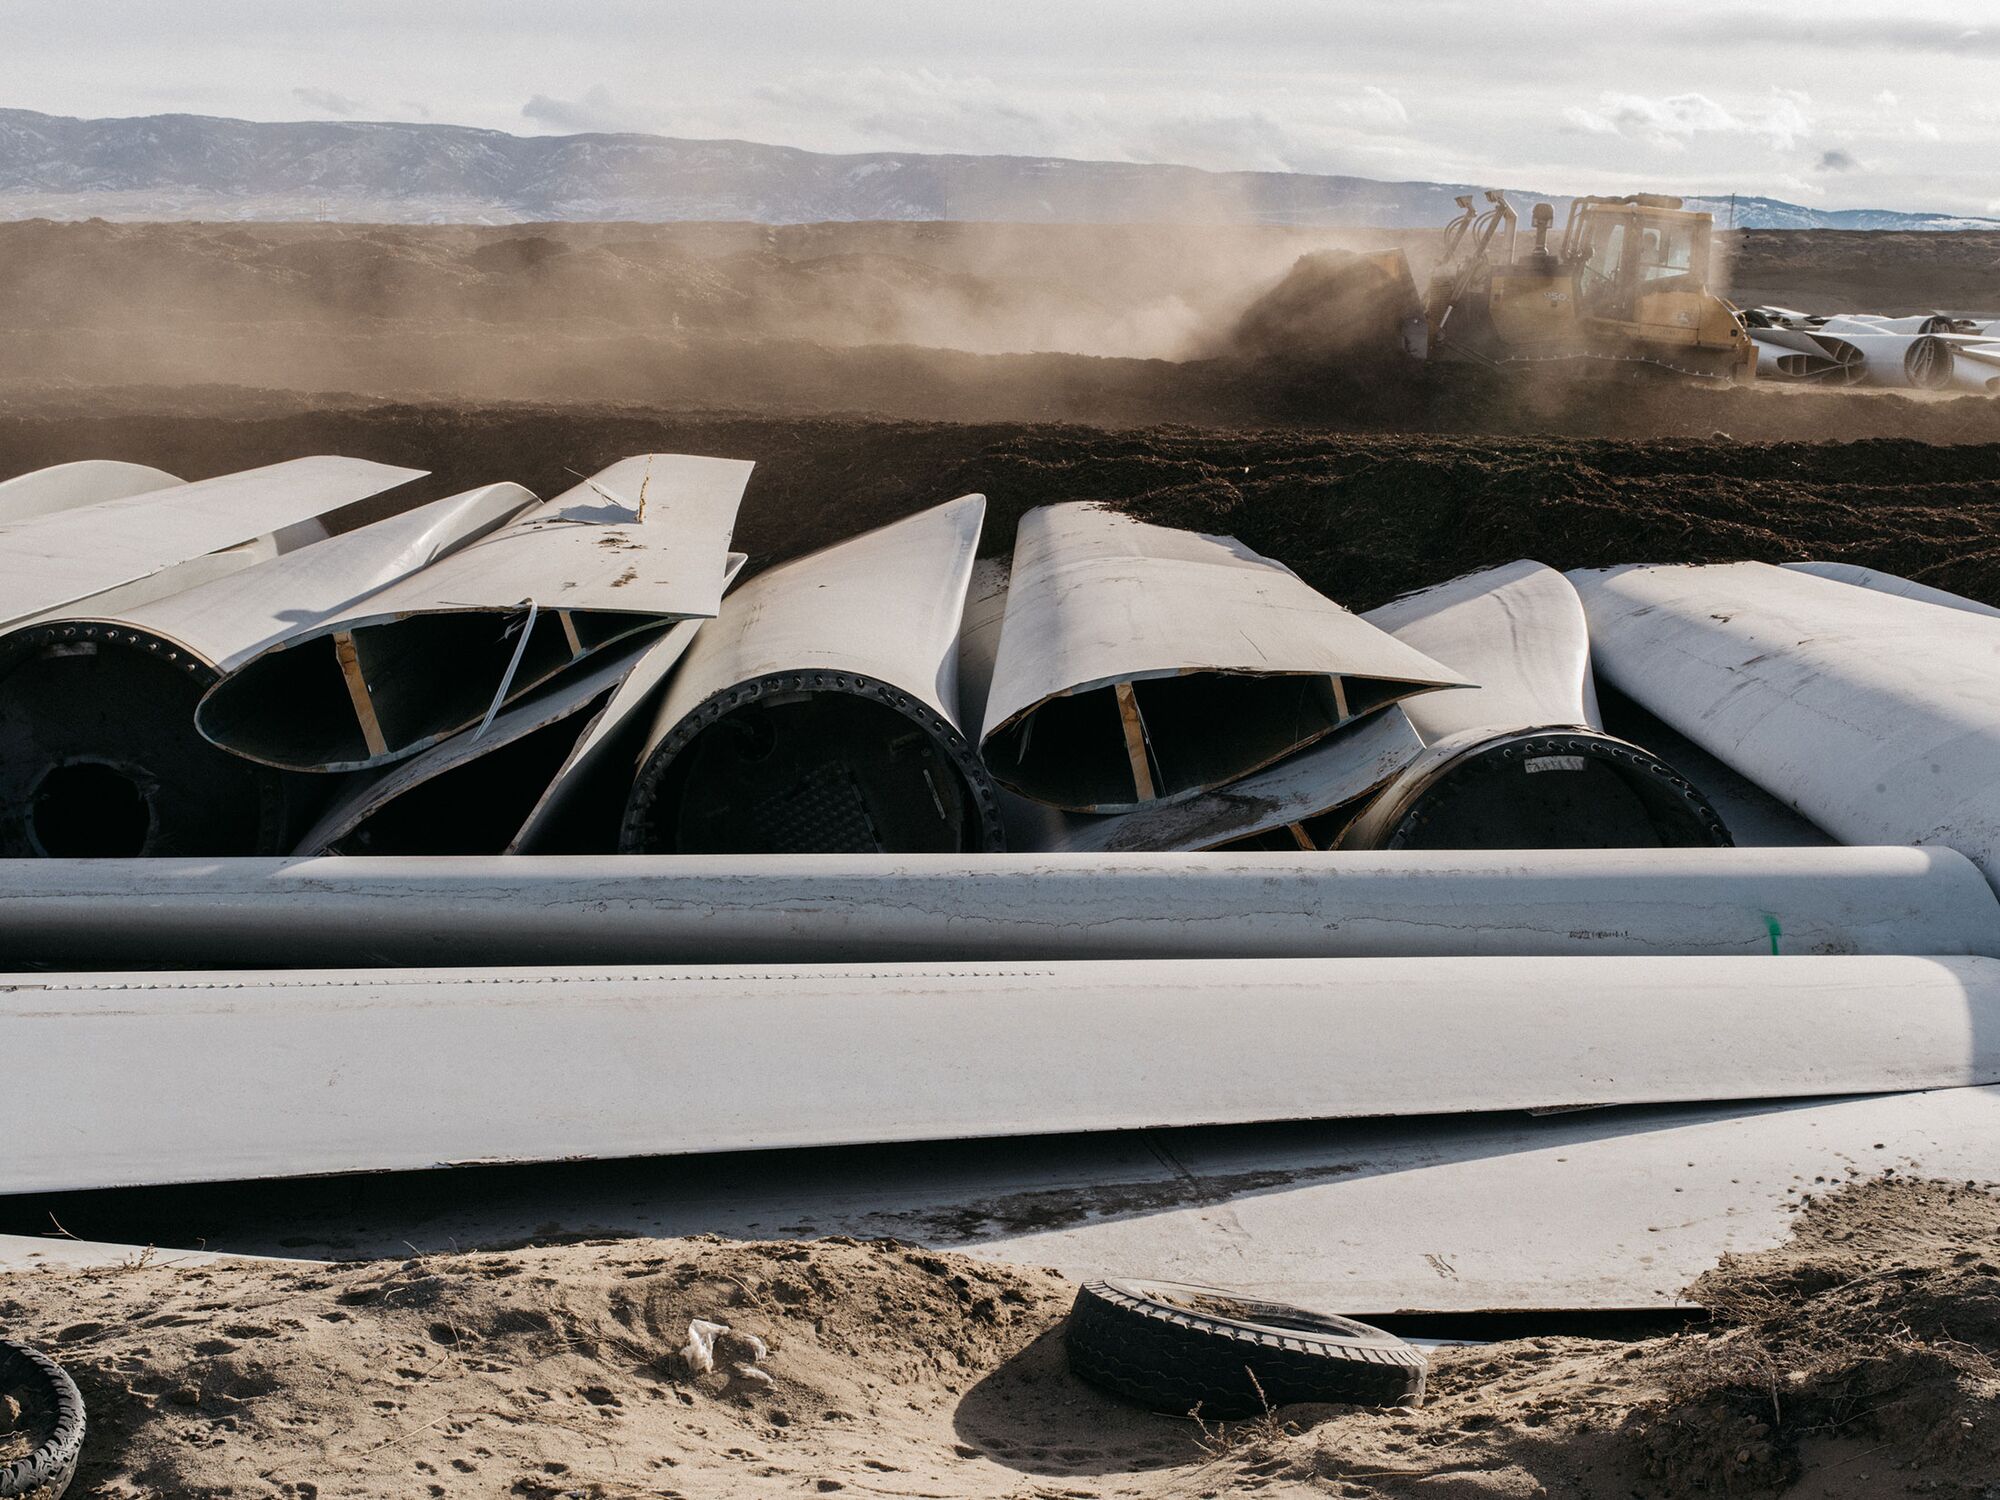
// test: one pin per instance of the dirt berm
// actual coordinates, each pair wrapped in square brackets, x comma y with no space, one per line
[1361,517]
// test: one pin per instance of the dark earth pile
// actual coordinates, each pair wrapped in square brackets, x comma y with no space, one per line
[1362,518]
[1332,307]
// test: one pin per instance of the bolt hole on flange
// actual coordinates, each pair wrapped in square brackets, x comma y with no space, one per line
[90,810]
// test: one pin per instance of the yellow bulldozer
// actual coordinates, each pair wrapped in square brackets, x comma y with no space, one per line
[1628,283]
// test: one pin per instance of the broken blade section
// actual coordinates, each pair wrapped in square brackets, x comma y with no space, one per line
[54,559]
[99,754]
[473,793]
[1137,663]
[583,805]
[630,550]
[1299,803]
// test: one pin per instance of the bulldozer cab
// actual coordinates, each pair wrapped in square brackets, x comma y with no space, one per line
[1627,249]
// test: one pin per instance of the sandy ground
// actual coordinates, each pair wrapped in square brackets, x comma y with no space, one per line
[1857,1360]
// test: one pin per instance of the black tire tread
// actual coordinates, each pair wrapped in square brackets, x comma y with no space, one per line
[1179,1362]
[46,1473]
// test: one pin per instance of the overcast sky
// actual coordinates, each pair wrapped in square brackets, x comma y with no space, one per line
[1834,103]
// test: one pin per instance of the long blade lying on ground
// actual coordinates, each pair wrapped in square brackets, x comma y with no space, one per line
[55,559]
[635,547]
[818,712]
[1877,717]
[207,1077]
[1139,663]
[1628,1206]
[264,913]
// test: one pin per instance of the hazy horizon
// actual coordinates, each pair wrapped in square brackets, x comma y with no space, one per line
[1832,105]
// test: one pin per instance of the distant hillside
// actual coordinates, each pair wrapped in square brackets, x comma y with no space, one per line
[194,167]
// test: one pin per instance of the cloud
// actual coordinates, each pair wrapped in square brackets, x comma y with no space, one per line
[925,109]
[1374,107]
[1888,99]
[597,110]
[1670,123]
[327,102]
[1859,35]
[1837,161]
[1279,130]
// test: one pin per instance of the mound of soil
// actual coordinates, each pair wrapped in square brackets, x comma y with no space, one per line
[1333,309]
[1856,1360]
[1360,518]
[1870,1340]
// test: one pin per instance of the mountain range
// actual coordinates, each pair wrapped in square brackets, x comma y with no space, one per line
[198,167]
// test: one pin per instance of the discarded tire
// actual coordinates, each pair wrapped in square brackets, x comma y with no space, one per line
[1193,1349]
[50,1414]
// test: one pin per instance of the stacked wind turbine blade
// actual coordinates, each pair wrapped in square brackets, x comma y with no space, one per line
[631,550]
[1296,803]
[60,487]
[1976,364]
[1876,716]
[1890,583]
[1787,352]
[818,712]
[582,809]
[480,791]
[1140,664]
[1897,361]
[53,559]
[1910,326]
[1521,761]
[66,487]
[98,747]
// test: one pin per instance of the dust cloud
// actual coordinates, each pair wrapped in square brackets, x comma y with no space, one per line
[473,310]
[1114,325]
